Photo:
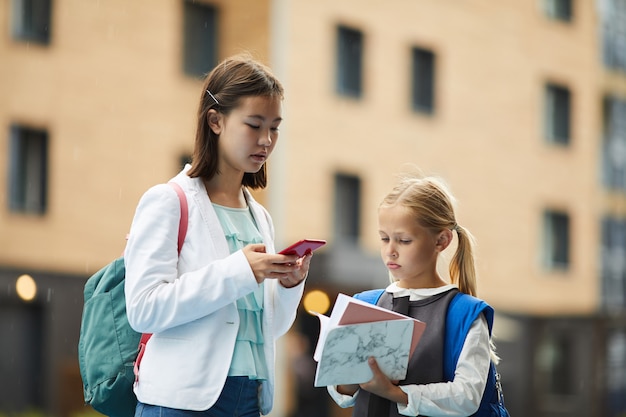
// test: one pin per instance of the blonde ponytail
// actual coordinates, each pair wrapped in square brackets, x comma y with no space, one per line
[462,266]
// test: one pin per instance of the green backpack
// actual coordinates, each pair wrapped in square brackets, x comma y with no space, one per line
[108,347]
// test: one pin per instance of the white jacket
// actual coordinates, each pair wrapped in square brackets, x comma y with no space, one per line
[188,303]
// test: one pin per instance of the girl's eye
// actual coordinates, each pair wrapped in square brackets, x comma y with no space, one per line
[405,242]
[253,126]
[384,239]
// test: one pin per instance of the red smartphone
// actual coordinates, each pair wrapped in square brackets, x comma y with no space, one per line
[303,247]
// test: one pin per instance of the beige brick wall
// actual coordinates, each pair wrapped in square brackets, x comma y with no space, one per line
[485,137]
[111,92]
[119,111]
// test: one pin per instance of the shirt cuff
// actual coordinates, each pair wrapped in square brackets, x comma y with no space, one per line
[343,401]
[414,396]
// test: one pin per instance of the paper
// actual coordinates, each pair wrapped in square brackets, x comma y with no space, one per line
[357,330]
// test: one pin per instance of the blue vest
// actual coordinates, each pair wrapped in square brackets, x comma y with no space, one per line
[463,310]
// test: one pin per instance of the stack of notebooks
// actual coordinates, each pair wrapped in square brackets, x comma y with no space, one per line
[357,330]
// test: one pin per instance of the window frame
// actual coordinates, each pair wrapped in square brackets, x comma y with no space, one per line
[31,21]
[555,356]
[349,61]
[614,143]
[423,80]
[347,208]
[195,38]
[557,240]
[613,26]
[28,170]
[561,10]
[557,108]
[613,263]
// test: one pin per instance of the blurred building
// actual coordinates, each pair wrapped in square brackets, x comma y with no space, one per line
[519,105]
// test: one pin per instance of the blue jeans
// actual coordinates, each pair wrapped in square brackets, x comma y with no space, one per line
[239,398]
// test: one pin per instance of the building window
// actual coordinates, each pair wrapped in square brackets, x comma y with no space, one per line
[347,208]
[557,114]
[28,170]
[349,61]
[423,82]
[613,21]
[614,143]
[616,372]
[22,359]
[558,9]
[554,363]
[614,264]
[200,38]
[31,20]
[556,240]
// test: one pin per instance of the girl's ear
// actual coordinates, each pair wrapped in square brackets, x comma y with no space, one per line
[443,240]
[214,120]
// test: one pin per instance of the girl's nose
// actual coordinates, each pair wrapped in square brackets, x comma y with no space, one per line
[266,138]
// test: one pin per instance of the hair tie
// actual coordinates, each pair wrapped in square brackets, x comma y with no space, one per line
[456,227]
[213,97]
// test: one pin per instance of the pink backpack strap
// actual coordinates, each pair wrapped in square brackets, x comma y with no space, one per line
[184,214]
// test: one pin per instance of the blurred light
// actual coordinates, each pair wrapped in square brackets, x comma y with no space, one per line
[26,287]
[316,301]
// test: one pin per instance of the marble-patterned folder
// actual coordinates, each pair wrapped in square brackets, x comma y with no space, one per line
[357,330]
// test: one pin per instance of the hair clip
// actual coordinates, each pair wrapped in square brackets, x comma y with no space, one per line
[213,97]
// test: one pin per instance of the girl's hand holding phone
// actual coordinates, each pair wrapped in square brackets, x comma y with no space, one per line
[290,270]
[297,275]
[304,250]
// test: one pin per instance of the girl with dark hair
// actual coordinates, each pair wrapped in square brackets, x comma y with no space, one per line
[216,310]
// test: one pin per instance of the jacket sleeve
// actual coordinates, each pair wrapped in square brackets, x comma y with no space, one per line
[286,306]
[157,296]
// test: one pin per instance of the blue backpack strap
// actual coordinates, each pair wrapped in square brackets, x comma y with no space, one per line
[370,296]
[462,312]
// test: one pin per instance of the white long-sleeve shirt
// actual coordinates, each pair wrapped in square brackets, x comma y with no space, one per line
[462,396]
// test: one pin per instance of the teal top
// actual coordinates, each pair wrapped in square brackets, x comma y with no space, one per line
[248,359]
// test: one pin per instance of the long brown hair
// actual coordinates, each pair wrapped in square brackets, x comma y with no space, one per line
[233,79]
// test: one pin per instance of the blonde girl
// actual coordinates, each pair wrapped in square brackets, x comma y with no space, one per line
[417,223]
